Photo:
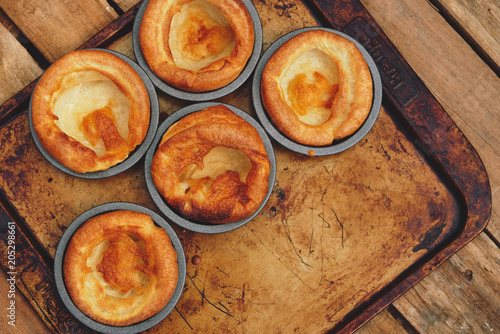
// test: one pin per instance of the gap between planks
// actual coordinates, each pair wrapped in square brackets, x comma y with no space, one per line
[462,31]
[26,43]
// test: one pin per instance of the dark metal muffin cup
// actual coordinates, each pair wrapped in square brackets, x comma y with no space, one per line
[59,262]
[135,155]
[171,213]
[338,145]
[201,96]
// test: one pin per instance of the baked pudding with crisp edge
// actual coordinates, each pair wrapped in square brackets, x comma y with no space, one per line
[317,88]
[196,46]
[212,167]
[120,268]
[90,109]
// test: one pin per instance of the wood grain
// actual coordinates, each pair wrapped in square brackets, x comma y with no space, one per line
[17,67]
[57,27]
[460,297]
[479,20]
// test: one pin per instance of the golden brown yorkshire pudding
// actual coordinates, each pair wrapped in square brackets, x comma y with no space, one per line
[199,45]
[90,109]
[212,167]
[119,268]
[317,88]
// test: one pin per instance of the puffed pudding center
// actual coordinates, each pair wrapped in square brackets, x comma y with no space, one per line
[118,267]
[89,104]
[218,161]
[199,35]
[309,86]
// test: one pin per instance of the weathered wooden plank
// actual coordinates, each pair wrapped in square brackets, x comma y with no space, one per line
[479,20]
[465,86]
[17,67]
[57,27]
[462,296]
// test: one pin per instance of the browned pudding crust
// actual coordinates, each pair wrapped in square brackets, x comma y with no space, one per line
[317,88]
[212,167]
[199,45]
[90,109]
[119,268]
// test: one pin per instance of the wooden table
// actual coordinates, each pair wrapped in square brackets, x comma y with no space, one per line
[453,47]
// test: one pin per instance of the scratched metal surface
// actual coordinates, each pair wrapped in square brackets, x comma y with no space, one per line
[336,232]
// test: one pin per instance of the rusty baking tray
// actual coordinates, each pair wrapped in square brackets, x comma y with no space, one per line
[340,238]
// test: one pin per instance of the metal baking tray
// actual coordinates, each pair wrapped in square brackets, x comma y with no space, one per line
[413,143]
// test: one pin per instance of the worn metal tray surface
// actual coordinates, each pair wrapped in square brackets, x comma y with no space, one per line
[341,237]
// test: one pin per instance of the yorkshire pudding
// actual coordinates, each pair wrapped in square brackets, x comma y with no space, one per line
[196,46]
[212,167]
[317,88]
[90,109]
[119,268]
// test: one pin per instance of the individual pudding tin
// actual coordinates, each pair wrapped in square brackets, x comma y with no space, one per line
[338,145]
[59,263]
[209,95]
[170,213]
[136,154]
